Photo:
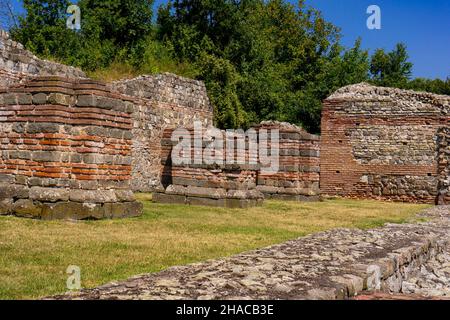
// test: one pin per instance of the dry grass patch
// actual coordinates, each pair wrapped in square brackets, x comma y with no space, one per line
[35,254]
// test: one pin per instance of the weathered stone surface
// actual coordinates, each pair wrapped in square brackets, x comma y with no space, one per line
[163,101]
[336,264]
[10,191]
[125,195]
[49,194]
[123,209]
[27,209]
[385,143]
[6,206]
[73,210]
[15,62]
[93,196]
[169,198]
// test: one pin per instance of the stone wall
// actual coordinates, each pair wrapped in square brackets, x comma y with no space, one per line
[239,177]
[299,165]
[16,63]
[208,182]
[382,143]
[162,101]
[65,150]
[444,166]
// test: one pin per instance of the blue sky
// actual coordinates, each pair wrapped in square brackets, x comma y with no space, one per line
[423,25]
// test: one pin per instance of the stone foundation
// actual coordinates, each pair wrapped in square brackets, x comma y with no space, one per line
[65,150]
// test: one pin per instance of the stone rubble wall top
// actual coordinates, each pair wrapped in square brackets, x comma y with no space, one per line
[366,91]
[15,59]
[167,88]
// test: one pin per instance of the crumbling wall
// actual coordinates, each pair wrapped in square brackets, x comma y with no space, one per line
[444,166]
[65,150]
[208,182]
[298,176]
[16,64]
[382,143]
[272,160]
[162,101]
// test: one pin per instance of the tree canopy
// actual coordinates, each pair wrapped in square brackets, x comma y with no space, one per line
[260,60]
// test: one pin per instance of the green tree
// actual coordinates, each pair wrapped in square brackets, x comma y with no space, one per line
[436,86]
[123,22]
[275,51]
[111,30]
[392,68]
[43,29]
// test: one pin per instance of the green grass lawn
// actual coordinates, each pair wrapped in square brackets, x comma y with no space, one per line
[34,255]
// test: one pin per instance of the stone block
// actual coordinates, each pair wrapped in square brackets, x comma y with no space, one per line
[10,191]
[47,156]
[6,206]
[206,192]
[40,98]
[34,128]
[27,208]
[24,99]
[60,99]
[9,99]
[93,196]
[125,195]
[49,194]
[124,210]
[169,198]
[86,101]
[209,202]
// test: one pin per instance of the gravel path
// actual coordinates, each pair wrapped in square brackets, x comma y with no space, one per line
[336,264]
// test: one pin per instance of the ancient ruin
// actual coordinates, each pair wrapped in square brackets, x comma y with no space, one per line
[299,165]
[161,101]
[212,181]
[66,141]
[385,143]
[16,64]
[77,148]
[240,176]
[66,150]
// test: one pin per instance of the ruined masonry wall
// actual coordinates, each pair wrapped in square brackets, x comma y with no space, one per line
[383,143]
[243,185]
[444,166]
[162,101]
[16,64]
[299,173]
[65,150]
[223,185]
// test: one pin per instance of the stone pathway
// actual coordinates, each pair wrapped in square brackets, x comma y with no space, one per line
[433,279]
[336,264]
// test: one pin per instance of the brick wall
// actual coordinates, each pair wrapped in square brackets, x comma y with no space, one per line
[299,172]
[382,143]
[162,101]
[65,150]
[218,184]
[241,178]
